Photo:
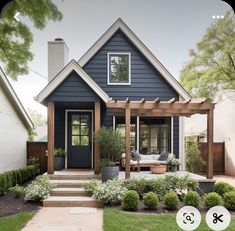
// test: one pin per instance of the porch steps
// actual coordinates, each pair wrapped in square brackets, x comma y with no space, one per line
[74,177]
[69,192]
[69,183]
[71,201]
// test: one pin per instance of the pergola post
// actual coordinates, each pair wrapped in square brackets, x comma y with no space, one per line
[97,127]
[50,144]
[127,140]
[210,119]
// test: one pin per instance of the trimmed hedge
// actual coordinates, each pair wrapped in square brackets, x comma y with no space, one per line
[11,178]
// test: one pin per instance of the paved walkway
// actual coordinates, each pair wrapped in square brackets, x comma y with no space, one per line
[227,179]
[66,219]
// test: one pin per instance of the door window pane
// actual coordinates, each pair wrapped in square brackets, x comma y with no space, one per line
[84,140]
[75,119]
[75,130]
[75,140]
[84,130]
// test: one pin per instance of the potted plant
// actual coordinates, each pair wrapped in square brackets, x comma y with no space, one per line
[174,163]
[59,154]
[111,147]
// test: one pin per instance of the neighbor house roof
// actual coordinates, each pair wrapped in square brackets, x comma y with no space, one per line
[120,25]
[15,102]
[62,75]
[227,93]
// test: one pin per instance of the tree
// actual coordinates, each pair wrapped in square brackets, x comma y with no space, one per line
[37,118]
[212,64]
[15,36]
[193,159]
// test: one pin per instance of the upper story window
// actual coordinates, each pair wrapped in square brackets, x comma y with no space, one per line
[119,68]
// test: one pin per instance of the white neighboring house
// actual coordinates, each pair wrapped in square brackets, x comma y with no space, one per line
[224,126]
[14,123]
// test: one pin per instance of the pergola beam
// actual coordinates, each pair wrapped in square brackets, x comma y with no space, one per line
[162,105]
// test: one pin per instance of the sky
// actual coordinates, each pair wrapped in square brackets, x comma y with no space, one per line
[169,28]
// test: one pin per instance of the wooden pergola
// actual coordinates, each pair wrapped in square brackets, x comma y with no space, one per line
[158,108]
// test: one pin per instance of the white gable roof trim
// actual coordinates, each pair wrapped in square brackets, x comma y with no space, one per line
[119,24]
[15,102]
[62,75]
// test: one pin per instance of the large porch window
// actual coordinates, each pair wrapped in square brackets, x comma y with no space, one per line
[120,126]
[155,135]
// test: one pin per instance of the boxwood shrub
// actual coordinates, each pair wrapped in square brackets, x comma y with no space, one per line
[171,200]
[130,200]
[221,188]
[192,198]
[150,200]
[229,200]
[212,199]
[11,178]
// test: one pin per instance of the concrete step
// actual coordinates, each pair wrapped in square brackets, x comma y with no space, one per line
[68,192]
[74,177]
[71,201]
[69,183]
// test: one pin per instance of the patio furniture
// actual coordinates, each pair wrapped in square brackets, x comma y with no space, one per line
[158,168]
[146,161]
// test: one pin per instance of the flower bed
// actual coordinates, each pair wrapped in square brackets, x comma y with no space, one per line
[172,192]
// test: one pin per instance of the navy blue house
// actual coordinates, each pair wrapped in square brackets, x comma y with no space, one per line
[118,66]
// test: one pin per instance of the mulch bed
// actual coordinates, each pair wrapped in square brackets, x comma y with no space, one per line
[11,206]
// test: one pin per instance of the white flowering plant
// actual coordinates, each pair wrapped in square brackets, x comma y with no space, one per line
[110,193]
[181,192]
[39,189]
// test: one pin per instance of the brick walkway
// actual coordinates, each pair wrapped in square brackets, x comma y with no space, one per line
[66,219]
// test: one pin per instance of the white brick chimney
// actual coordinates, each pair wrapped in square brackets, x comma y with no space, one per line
[57,57]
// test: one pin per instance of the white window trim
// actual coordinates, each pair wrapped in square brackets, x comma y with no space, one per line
[129,71]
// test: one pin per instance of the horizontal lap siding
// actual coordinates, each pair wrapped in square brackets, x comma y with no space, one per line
[73,89]
[146,81]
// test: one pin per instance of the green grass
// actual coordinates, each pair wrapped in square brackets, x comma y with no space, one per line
[15,222]
[115,220]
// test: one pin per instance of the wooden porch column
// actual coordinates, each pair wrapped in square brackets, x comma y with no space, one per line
[97,127]
[50,143]
[210,119]
[127,135]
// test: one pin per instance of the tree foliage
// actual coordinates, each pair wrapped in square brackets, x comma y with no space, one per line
[212,64]
[37,118]
[15,36]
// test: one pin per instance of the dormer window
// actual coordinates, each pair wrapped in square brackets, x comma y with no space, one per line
[119,68]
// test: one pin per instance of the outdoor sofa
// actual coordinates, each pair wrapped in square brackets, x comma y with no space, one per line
[147,160]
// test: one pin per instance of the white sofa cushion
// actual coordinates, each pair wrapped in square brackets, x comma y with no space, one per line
[148,161]
[155,156]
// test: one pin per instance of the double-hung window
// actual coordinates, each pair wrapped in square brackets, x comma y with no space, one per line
[119,68]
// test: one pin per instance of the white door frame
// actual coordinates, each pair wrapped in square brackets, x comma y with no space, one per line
[66,130]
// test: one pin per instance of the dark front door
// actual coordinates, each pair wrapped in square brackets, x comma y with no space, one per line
[79,139]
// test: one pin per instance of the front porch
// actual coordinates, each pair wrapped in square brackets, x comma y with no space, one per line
[128,109]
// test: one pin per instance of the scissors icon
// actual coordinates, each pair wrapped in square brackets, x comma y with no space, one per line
[217,218]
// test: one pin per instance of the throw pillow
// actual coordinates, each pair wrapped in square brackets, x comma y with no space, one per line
[136,156]
[163,156]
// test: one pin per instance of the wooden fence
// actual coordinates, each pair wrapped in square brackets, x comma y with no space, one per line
[38,150]
[218,156]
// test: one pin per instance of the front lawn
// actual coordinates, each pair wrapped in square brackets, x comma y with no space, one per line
[116,220]
[15,222]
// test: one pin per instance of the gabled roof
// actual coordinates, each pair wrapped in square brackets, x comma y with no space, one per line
[62,75]
[120,25]
[15,102]
[228,93]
